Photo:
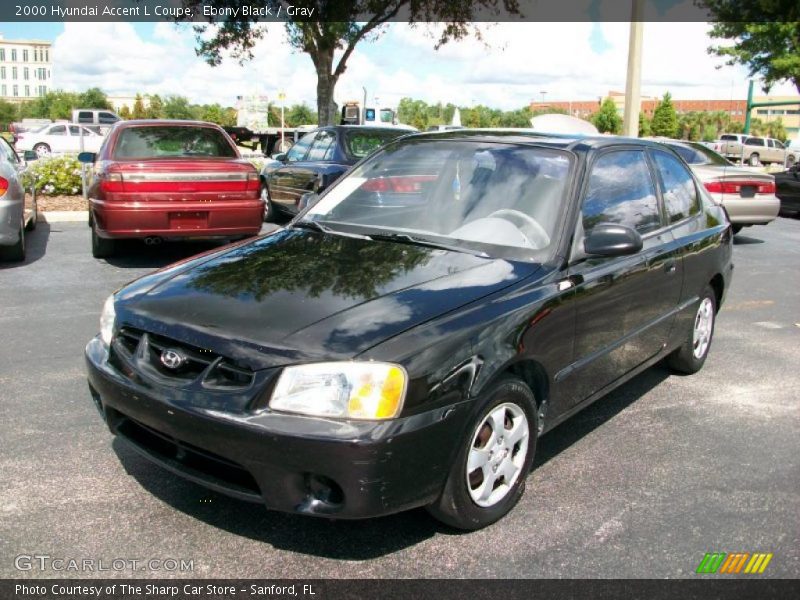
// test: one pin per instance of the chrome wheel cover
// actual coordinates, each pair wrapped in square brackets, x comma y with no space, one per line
[703,326]
[497,453]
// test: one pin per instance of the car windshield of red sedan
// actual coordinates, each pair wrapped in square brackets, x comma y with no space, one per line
[160,141]
[495,198]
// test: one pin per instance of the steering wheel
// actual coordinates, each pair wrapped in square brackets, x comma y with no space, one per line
[526,224]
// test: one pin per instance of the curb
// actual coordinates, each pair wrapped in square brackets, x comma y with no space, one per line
[63,216]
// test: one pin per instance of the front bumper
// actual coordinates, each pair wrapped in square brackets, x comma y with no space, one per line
[290,463]
[131,219]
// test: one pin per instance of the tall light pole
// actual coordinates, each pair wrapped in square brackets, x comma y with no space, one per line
[282,98]
[543,93]
[633,82]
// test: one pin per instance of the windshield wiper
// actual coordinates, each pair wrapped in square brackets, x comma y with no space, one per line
[405,238]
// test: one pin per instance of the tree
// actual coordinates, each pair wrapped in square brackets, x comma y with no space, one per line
[93,98]
[213,113]
[125,112]
[665,119]
[177,107]
[155,109]
[339,27]
[138,108]
[300,114]
[607,119]
[766,36]
[644,125]
[8,113]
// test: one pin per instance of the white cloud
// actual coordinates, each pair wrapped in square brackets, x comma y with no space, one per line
[517,62]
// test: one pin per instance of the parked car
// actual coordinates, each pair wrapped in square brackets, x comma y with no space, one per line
[58,137]
[747,195]
[94,116]
[17,211]
[754,150]
[316,161]
[788,190]
[26,125]
[162,179]
[361,362]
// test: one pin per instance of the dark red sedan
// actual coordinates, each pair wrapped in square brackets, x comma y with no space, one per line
[157,180]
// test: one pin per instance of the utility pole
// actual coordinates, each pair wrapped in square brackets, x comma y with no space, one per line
[633,82]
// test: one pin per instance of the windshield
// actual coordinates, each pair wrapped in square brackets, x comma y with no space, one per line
[361,143]
[698,154]
[493,198]
[160,141]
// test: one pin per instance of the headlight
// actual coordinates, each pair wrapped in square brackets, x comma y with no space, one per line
[107,318]
[349,390]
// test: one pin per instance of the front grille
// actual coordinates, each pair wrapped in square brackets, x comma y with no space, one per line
[142,352]
[199,465]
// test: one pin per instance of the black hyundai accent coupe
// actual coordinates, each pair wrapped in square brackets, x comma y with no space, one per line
[408,337]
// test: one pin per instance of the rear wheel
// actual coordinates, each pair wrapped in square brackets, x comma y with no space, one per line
[487,478]
[42,150]
[691,356]
[790,160]
[101,247]
[15,253]
[754,160]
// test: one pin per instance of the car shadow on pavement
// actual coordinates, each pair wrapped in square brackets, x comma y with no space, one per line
[744,240]
[135,254]
[601,411]
[354,540]
[35,246]
[322,537]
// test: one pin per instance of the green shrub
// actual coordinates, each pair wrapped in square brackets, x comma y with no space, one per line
[54,176]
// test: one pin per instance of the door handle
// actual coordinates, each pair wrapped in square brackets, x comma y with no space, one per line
[670,266]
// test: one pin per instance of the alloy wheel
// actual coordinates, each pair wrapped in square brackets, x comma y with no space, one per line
[703,326]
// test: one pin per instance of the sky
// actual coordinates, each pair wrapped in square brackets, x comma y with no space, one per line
[515,64]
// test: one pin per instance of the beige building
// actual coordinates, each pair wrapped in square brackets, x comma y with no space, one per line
[117,102]
[26,69]
[789,115]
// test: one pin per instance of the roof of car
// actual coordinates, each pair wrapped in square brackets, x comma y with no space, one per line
[172,122]
[530,136]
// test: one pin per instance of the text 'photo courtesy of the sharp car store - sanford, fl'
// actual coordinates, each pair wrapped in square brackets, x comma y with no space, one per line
[399,299]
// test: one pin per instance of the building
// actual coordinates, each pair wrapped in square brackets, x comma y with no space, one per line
[789,115]
[117,102]
[26,69]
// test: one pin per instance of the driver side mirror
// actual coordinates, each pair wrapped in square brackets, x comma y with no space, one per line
[87,157]
[611,239]
[29,155]
[280,157]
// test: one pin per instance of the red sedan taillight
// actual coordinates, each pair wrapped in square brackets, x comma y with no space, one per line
[3,186]
[399,184]
[253,182]
[111,182]
[735,187]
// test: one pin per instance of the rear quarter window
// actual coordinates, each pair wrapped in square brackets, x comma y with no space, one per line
[361,143]
[677,187]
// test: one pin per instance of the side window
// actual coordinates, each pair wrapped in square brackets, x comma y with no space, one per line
[621,191]
[677,184]
[300,149]
[57,130]
[107,118]
[771,143]
[778,145]
[322,148]
[85,117]
[74,130]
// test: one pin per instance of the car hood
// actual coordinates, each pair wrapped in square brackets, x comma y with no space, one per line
[298,295]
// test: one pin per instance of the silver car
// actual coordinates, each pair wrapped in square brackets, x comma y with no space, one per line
[748,195]
[17,210]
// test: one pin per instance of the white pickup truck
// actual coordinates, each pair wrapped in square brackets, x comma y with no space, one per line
[754,150]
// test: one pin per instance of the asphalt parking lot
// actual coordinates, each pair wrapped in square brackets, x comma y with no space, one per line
[641,484]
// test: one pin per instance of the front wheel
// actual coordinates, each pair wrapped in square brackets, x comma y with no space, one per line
[488,476]
[264,195]
[692,354]
[754,160]
[42,150]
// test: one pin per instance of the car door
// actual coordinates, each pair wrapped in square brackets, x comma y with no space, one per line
[57,138]
[623,304]
[280,180]
[306,175]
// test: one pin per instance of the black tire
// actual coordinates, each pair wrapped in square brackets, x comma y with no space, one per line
[753,161]
[790,160]
[685,359]
[101,247]
[736,228]
[455,506]
[32,223]
[15,253]
[42,150]
[269,213]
